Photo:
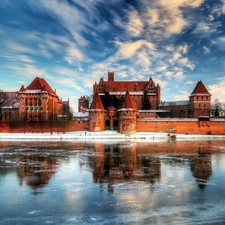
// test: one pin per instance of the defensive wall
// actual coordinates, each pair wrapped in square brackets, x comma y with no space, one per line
[180,126]
[169,125]
[42,126]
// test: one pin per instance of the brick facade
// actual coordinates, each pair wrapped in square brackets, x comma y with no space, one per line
[36,102]
[137,89]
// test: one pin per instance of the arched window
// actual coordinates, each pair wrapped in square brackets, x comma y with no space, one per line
[107,125]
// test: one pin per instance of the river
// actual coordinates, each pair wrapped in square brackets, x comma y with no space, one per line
[112,182]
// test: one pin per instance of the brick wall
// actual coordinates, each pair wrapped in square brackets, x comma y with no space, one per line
[191,126]
[38,127]
[182,126]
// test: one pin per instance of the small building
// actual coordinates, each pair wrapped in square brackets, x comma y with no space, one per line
[9,106]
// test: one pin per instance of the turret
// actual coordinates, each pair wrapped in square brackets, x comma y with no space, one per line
[127,116]
[200,100]
[111,76]
[96,114]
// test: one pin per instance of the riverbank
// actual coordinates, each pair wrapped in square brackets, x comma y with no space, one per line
[108,135]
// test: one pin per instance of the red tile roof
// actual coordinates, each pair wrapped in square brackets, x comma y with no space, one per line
[128,102]
[40,84]
[83,98]
[22,88]
[97,102]
[200,89]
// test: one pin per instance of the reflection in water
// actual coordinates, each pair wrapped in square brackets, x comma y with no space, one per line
[36,169]
[202,168]
[111,163]
[111,183]
[119,163]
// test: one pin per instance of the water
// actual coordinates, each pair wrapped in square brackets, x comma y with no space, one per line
[171,182]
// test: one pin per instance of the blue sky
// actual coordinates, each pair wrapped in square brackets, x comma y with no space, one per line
[72,43]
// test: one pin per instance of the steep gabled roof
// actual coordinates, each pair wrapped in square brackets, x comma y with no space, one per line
[128,102]
[83,98]
[200,89]
[97,102]
[40,84]
[22,88]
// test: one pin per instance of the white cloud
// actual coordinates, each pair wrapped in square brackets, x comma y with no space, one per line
[189,82]
[202,27]
[169,48]
[135,25]
[206,50]
[180,3]
[187,63]
[15,47]
[161,68]
[217,89]
[168,74]
[175,57]
[179,74]
[211,17]
[175,22]
[183,48]
[183,95]
[223,7]
[153,17]
[206,28]
[127,50]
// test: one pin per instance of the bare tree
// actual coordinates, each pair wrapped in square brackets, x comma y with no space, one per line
[4,100]
[89,98]
[216,107]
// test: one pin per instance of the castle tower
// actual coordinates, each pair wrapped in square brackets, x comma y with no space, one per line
[127,116]
[110,76]
[83,104]
[21,95]
[96,114]
[200,100]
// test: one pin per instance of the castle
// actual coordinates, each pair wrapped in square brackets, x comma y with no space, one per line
[120,105]
[124,106]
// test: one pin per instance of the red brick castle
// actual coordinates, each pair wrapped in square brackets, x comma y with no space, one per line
[36,102]
[122,105]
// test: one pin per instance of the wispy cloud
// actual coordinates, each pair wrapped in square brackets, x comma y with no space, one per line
[217,89]
[206,50]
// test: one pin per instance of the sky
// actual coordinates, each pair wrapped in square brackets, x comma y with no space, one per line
[73,43]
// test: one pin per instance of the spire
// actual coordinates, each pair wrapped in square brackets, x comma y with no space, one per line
[128,102]
[200,89]
[151,82]
[97,102]
[22,88]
